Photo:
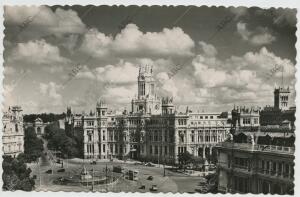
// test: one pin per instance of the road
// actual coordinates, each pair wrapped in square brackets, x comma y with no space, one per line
[172,182]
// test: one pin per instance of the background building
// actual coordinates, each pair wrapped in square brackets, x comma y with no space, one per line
[13,133]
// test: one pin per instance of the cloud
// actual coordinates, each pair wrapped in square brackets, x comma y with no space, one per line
[133,42]
[238,11]
[285,17]
[36,22]
[208,49]
[237,79]
[121,73]
[50,92]
[261,38]
[37,52]
[167,87]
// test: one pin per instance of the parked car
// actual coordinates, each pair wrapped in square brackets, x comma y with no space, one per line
[142,187]
[149,164]
[154,188]
[49,171]
[150,178]
[61,170]
[93,162]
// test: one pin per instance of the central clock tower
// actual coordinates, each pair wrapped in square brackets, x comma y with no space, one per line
[146,102]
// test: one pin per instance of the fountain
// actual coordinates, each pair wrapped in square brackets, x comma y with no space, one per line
[85,178]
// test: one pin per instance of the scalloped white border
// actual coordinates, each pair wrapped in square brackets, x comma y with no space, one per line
[226,3]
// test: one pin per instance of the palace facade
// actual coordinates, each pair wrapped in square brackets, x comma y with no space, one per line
[13,133]
[152,131]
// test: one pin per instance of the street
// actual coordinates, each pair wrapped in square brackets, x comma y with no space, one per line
[172,182]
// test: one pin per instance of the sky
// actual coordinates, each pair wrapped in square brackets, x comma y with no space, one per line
[208,58]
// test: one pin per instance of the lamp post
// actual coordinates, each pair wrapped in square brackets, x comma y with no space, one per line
[93,179]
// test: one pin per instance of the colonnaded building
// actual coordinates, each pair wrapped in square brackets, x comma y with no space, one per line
[13,133]
[153,130]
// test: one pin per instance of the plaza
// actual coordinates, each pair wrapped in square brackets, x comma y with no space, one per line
[171,182]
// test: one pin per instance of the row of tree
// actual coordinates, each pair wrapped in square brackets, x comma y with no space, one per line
[16,175]
[45,117]
[33,146]
[58,140]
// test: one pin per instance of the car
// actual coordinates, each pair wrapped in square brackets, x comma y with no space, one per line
[93,162]
[150,178]
[154,188]
[49,171]
[201,190]
[61,170]
[149,164]
[138,163]
[203,183]
[142,187]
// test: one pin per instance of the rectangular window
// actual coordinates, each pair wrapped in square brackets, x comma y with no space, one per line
[104,148]
[211,117]
[206,117]
[150,150]
[166,150]
[156,150]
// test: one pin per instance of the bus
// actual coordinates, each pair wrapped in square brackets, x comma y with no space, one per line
[133,175]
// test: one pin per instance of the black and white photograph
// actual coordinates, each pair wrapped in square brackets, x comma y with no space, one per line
[149,99]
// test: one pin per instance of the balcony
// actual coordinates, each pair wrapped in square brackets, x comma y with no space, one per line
[258,147]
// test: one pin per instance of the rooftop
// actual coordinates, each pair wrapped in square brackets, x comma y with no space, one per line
[259,148]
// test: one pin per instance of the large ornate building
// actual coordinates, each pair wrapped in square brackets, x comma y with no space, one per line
[13,133]
[153,130]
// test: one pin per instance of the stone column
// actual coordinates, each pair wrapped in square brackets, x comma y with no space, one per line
[290,171]
[85,150]
[204,152]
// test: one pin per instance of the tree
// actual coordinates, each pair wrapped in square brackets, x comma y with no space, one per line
[58,140]
[16,175]
[45,117]
[197,162]
[33,146]
[184,159]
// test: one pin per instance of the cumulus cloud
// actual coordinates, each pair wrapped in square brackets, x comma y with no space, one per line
[242,78]
[37,52]
[50,92]
[121,73]
[36,22]
[261,38]
[133,42]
